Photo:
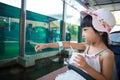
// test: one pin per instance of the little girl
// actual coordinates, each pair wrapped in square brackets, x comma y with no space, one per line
[98,60]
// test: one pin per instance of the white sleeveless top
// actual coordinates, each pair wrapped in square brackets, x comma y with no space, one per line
[94,62]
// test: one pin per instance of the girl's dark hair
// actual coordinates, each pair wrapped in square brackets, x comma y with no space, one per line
[87,22]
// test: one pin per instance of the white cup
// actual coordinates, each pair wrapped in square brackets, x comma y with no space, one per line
[73,57]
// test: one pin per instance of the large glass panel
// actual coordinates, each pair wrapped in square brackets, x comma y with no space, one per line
[43,23]
[73,19]
[55,31]
[9,29]
[72,23]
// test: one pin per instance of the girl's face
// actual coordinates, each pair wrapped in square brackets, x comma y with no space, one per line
[89,35]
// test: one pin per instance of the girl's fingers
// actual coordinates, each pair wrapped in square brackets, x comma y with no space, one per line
[37,47]
[79,57]
[79,61]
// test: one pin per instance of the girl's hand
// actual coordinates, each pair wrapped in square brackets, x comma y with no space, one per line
[80,61]
[40,47]
[37,47]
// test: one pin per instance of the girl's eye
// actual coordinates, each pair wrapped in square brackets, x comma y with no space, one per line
[84,29]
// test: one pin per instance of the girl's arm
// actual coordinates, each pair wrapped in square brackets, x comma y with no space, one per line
[43,46]
[66,44]
[78,46]
[107,65]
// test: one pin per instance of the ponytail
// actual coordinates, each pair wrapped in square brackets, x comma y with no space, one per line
[105,39]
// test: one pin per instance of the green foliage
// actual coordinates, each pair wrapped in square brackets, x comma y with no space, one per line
[73,29]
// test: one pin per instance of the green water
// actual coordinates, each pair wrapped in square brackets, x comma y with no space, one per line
[16,72]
